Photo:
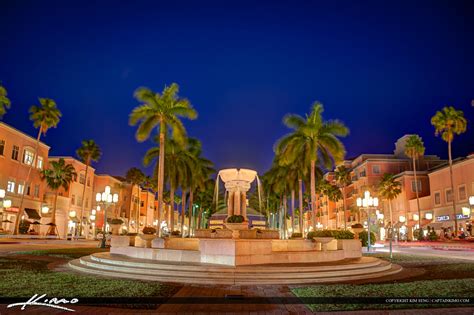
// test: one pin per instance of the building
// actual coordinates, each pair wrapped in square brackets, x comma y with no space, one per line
[17,151]
[367,171]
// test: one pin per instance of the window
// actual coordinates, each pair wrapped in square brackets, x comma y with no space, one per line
[11,186]
[449,195]
[462,192]
[28,189]
[437,198]
[28,157]
[413,188]
[82,179]
[21,187]
[376,169]
[39,163]
[88,182]
[15,151]
[73,199]
[79,201]
[2,147]
[37,191]
[142,204]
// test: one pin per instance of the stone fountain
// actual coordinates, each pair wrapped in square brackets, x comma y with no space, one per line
[235,256]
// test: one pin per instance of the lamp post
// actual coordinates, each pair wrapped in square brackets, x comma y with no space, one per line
[105,198]
[367,203]
[4,203]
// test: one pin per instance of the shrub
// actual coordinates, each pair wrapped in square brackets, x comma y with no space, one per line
[321,233]
[343,235]
[357,226]
[149,230]
[235,219]
[24,227]
[131,234]
[116,221]
[432,236]
[295,235]
[418,234]
[363,236]
[176,233]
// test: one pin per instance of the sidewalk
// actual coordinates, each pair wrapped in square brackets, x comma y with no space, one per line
[447,245]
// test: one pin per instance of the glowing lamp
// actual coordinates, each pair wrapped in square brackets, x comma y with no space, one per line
[92,217]
[93,211]
[359,202]
[471,200]
[366,194]
[115,198]
[466,211]
[72,213]
[7,203]
[107,190]
[401,218]
[416,217]
[364,202]
[2,193]
[98,197]
[428,216]
[109,198]
[376,202]
[44,209]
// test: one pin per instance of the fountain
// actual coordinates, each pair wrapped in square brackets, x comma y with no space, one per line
[235,254]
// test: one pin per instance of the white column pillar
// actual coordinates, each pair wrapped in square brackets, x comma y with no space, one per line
[237,202]
[230,203]
[244,205]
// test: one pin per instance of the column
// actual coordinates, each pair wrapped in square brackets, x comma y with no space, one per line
[230,203]
[244,205]
[236,202]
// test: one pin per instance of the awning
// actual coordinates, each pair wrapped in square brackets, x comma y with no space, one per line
[424,222]
[32,213]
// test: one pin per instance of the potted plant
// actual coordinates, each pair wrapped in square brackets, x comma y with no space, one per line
[175,233]
[357,228]
[323,237]
[236,223]
[148,235]
[115,225]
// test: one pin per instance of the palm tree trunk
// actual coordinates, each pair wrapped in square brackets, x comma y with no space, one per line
[52,228]
[452,189]
[161,171]
[313,192]
[285,204]
[292,211]
[83,199]
[300,192]
[20,211]
[344,205]
[138,208]
[417,197]
[190,210]
[183,210]
[171,218]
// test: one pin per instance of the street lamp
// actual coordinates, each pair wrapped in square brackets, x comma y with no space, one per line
[367,203]
[106,199]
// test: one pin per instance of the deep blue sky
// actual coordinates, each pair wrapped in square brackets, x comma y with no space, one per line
[382,67]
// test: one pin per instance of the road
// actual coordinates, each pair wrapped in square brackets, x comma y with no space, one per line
[466,254]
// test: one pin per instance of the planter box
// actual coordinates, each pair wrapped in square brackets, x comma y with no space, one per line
[324,242]
[146,239]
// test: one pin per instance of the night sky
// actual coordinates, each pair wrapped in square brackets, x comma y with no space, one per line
[382,67]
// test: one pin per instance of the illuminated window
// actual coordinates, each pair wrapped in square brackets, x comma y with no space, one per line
[21,187]
[449,195]
[376,169]
[39,163]
[413,188]
[11,186]
[2,147]
[28,157]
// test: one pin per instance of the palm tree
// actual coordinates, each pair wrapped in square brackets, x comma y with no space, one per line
[87,153]
[44,117]
[448,122]
[4,101]
[315,141]
[58,175]
[334,194]
[343,179]
[136,177]
[415,149]
[389,189]
[161,111]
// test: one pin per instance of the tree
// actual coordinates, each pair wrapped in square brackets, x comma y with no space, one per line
[4,101]
[59,174]
[334,194]
[136,177]
[449,122]
[415,149]
[44,117]
[87,153]
[343,179]
[161,111]
[389,189]
[315,141]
